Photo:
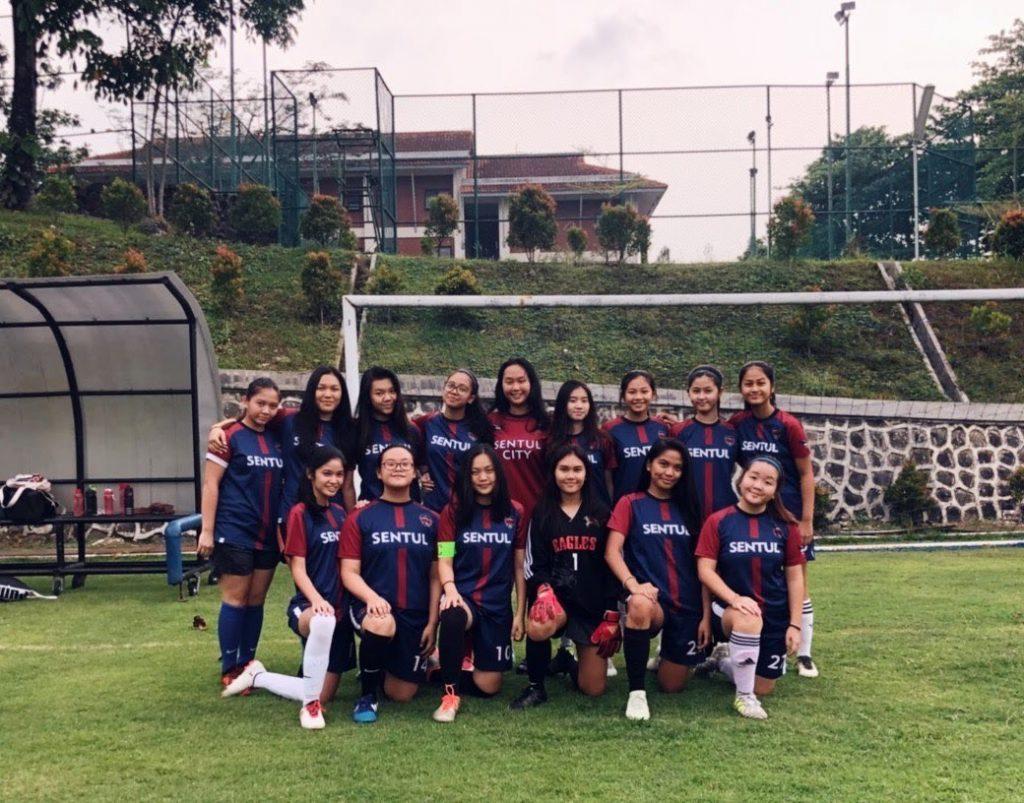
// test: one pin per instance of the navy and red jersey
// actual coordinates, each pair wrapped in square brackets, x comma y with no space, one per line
[601,457]
[314,535]
[383,435]
[519,443]
[250,490]
[445,442]
[752,554]
[484,554]
[782,436]
[294,470]
[396,545]
[568,554]
[713,450]
[633,440]
[659,549]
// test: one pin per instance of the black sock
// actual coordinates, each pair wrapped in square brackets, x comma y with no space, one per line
[469,688]
[538,657]
[451,644]
[373,650]
[636,646]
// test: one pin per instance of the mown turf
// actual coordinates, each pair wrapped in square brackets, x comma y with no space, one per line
[110,694]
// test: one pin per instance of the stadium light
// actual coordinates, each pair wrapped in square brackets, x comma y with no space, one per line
[843,18]
[316,173]
[830,78]
[752,139]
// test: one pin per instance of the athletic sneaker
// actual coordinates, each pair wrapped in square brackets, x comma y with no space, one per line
[529,697]
[636,706]
[749,706]
[805,667]
[713,662]
[449,705]
[243,680]
[467,663]
[564,663]
[311,716]
[365,709]
[611,671]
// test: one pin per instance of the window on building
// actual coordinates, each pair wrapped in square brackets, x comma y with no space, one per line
[352,197]
[445,251]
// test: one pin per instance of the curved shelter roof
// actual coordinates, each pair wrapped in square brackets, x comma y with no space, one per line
[107,379]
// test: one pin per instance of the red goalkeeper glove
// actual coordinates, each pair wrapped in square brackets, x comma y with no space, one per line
[546,608]
[607,635]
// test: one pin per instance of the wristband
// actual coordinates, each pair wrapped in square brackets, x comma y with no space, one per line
[624,582]
[798,627]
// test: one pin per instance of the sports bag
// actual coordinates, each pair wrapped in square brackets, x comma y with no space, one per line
[13,590]
[26,499]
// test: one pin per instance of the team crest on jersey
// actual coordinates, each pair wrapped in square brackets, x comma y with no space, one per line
[425,520]
[510,522]
[729,440]
[589,521]
[777,532]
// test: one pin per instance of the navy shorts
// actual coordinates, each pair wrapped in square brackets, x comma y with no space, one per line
[679,638]
[771,660]
[404,660]
[808,551]
[343,643]
[491,635]
[231,559]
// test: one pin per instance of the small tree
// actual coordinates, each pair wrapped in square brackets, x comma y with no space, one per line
[123,202]
[133,261]
[942,236]
[192,210]
[459,282]
[427,245]
[50,254]
[322,284]
[323,221]
[790,226]
[616,229]
[1008,238]
[577,240]
[442,219]
[642,237]
[987,321]
[255,214]
[226,286]
[385,281]
[531,220]
[56,197]
[909,496]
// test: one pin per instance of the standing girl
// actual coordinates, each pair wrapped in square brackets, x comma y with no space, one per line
[575,421]
[711,444]
[480,548]
[448,434]
[241,492]
[635,431]
[381,422]
[765,429]
[314,528]
[651,540]
[749,558]
[388,556]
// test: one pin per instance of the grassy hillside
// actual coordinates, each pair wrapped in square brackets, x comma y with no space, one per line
[866,353]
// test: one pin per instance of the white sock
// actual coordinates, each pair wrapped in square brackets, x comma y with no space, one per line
[287,686]
[316,656]
[744,649]
[806,629]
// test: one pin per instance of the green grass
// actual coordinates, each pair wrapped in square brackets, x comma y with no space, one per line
[867,352]
[110,694]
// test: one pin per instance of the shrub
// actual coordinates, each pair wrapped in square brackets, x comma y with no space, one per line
[133,261]
[322,284]
[192,210]
[458,282]
[1008,238]
[152,226]
[123,202]
[790,226]
[56,196]
[531,220]
[616,229]
[324,220]
[577,240]
[909,496]
[942,236]
[989,322]
[1015,486]
[50,254]
[255,214]
[226,286]
[385,281]
[427,245]
[811,329]
[642,238]
[822,499]
[442,220]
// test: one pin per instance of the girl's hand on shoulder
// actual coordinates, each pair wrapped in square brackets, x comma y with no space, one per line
[217,441]
[361,503]
[426,482]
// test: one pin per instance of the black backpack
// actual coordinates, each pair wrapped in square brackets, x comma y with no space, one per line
[26,499]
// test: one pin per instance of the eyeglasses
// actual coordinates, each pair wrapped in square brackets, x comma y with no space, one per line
[454,388]
[396,465]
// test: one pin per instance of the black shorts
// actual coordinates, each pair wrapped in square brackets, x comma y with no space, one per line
[771,660]
[491,635]
[404,660]
[579,626]
[231,559]
[679,638]
[343,643]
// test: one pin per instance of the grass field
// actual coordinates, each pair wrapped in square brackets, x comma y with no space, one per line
[110,694]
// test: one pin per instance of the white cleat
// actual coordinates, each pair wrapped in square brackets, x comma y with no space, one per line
[636,707]
[245,679]
[611,671]
[311,716]
[805,667]
[749,706]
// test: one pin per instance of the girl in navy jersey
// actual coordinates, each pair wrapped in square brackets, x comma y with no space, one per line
[480,547]
[651,540]
[380,422]
[574,592]
[241,492]
[765,429]
[712,445]
[314,528]
[521,424]
[575,421]
[749,558]
[388,556]
[635,431]
[449,433]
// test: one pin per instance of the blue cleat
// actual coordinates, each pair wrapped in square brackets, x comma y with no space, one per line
[365,709]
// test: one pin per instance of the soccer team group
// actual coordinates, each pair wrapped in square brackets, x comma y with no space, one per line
[473,529]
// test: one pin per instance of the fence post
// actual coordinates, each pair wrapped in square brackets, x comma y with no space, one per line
[768,124]
[913,159]
[622,172]
[476,194]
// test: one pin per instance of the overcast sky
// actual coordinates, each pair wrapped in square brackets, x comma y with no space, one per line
[487,46]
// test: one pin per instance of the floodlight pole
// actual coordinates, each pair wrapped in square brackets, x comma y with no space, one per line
[829,79]
[231,99]
[843,17]
[752,139]
[913,160]
[316,172]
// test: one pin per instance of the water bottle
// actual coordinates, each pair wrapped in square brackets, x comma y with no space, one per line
[90,501]
[78,506]
[108,501]
[128,500]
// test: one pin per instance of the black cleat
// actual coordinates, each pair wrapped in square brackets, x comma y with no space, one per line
[563,663]
[529,697]
[521,667]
